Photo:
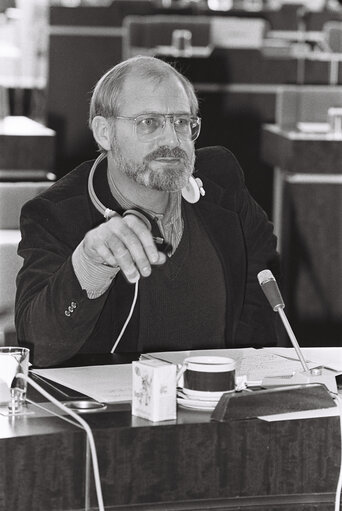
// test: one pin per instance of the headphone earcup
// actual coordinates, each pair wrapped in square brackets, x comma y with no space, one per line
[191,192]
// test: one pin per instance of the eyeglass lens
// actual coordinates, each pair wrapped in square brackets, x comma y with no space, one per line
[149,127]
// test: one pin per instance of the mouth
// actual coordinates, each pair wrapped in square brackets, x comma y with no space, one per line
[168,160]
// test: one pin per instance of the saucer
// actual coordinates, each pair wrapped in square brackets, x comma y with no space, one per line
[201,394]
[205,401]
[193,404]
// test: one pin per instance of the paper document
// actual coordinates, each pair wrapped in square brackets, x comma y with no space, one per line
[177,357]
[328,357]
[255,364]
[107,383]
[113,383]
[265,363]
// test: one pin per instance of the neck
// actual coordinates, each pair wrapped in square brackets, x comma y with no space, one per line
[146,198]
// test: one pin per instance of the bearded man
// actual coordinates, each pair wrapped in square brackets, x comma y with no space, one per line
[150,247]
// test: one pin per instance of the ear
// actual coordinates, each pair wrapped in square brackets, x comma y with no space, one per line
[101,132]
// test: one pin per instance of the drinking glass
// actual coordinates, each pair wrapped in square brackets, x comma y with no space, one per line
[13,360]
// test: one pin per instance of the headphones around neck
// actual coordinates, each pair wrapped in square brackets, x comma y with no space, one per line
[191,192]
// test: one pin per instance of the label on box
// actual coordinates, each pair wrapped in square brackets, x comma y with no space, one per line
[154,390]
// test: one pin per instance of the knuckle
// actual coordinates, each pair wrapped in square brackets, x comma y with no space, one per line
[132,241]
[137,224]
[144,267]
[114,220]
[88,238]
[95,235]
[89,242]
[130,219]
[131,274]
[121,252]
[147,238]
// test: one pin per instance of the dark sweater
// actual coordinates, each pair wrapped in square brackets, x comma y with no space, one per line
[175,312]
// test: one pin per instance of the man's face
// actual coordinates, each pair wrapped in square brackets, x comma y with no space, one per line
[166,162]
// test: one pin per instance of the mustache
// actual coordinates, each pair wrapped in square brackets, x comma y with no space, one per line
[167,152]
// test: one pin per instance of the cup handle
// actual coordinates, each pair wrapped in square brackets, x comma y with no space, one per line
[181,372]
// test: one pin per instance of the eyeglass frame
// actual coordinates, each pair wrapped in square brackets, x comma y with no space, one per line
[165,116]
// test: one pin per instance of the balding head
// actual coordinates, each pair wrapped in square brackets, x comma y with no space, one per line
[106,96]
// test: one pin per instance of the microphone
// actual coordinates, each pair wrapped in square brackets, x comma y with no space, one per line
[271,290]
[270,287]
[318,374]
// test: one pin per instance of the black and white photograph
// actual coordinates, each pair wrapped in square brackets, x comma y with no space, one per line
[170,255]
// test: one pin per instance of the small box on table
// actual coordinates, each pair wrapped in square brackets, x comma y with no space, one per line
[154,390]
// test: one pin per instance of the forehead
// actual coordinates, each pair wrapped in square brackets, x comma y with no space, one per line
[141,95]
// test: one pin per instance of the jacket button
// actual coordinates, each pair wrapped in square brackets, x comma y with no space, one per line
[70,309]
[73,305]
[67,313]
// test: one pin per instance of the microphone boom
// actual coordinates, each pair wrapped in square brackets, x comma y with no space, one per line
[316,375]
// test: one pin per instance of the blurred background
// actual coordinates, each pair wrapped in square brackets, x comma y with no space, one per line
[268,75]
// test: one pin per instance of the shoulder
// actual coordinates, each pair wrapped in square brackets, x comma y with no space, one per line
[69,186]
[61,207]
[219,165]
[221,174]
[71,190]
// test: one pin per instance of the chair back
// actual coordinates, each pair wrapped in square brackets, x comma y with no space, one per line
[13,196]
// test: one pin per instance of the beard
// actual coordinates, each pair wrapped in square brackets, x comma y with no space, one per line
[163,177]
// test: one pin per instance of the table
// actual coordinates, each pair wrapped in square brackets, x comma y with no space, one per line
[187,464]
[26,145]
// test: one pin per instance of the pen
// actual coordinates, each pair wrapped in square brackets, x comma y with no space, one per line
[152,357]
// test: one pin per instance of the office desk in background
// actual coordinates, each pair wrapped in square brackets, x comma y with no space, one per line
[307,218]
[187,464]
[26,145]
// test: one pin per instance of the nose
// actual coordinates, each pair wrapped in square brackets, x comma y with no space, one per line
[169,136]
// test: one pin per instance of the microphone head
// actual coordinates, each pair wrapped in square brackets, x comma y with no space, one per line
[271,290]
[264,276]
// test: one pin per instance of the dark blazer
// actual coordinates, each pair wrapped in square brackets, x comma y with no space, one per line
[55,222]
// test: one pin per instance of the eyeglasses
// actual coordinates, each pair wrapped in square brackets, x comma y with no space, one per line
[150,126]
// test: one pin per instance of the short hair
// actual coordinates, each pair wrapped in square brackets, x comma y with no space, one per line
[106,94]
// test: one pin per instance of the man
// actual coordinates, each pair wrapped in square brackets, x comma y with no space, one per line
[125,254]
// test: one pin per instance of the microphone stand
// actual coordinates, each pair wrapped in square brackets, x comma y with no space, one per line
[293,339]
[319,374]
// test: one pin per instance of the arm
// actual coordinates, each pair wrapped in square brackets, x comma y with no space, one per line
[47,286]
[54,315]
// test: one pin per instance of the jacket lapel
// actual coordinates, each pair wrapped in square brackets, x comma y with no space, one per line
[224,230]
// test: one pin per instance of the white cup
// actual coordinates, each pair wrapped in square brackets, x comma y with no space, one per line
[13,360]
[208,374]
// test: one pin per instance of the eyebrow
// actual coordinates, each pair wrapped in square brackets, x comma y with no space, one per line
[148,112]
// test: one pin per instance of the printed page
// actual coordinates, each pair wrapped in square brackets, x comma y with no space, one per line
[253,363]
[265,363]
[107,383]
[328,357]
[177,357]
